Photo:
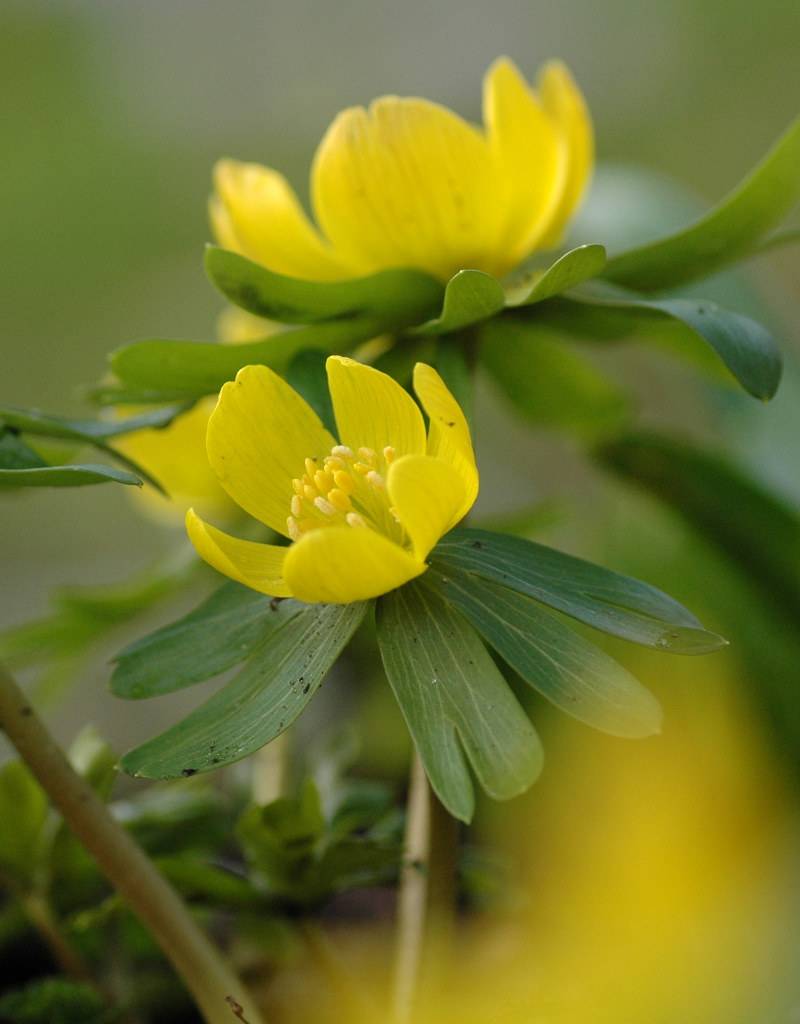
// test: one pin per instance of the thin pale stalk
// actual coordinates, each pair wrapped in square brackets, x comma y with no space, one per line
[218,993]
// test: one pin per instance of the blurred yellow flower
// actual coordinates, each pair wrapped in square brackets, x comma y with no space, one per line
[408,183]
[362,513]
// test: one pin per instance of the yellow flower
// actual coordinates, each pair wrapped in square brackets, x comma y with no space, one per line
[408,183]
[363,513]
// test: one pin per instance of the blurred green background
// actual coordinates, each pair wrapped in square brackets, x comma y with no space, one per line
[113,114]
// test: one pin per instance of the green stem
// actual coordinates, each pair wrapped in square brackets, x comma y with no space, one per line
[214,987]
[426,900]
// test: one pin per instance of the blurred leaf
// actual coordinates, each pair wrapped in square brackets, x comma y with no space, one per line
[791,236]
[94,760]
[220,633]
[197,880]
[756,529]
[571,269]
[23,812]
[56,1001]
[547,382]
[470,296]
[452,694]
[66,476]
[262,701]
[172,818]
[307,375]
[601,598]
[395,297]
[194,368]
[726,234]
[569,671]
[453,361]
[15,454]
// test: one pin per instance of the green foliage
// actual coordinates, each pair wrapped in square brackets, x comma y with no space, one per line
[603,599]
[548,382]
[470,296]
[572,673]
[756,529]
[23,811]
[728,233]
[573,268]
[264,699]
[15,454]
[220,633]
[307,375]
[56,1001]
[454,700]
[393,297]
[66,476]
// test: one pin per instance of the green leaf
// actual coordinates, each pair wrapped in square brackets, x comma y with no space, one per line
[57,1001]
[744,346]
[94,760]
[453,361]
[220,633]
[23,811]
[548,382]
[15,454]
[307,375]
[395,297]
[195,368]
[601,598]
[571,269]
[758,530]
[575,675]
[726,234]
[263,700]
[470,296]
[65,476]
[452,694]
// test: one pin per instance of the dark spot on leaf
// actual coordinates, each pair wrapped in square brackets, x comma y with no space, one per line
[187,772]
[307,687]
[26,711]
[477,545]
[273,605]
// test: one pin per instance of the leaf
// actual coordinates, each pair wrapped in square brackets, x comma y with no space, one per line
[569,671]
[755,528]
[451,695]
[263,700]
[548,382]
[65,476]
[57,1001]
[395,297]
[730,231]
[15,454]
[220,633]
[601,598]
[571,269]
[307,375]
[743,345]
[470,296]
[195,368]
[23,803]
[94,760]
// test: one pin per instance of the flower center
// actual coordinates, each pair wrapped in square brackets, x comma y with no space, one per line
[346,488]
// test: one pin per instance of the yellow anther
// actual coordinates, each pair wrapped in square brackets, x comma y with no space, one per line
[323,480]
[311,467]
[375,479]
[367,454]
[342,450]
[309,492]
[354,519]
[324,506]
[333,462]
[293,529]
[297,486]
[361,467]
[344,481]
[339,500]
[297,505]
[389,454]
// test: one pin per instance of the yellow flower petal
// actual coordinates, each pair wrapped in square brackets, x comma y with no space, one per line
[339,564]
[448,432]
[372,410]
[428,495]
[258,566]
[256,212]
[531,154]
[258,438]
[564,102]
[407,183]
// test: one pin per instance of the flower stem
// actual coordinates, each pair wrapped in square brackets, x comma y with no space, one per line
[426,900]
[214,987]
